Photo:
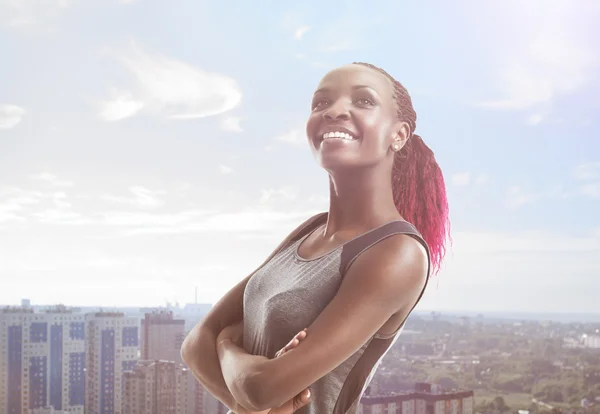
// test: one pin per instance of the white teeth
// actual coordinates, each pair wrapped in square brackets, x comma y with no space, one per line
[342,135]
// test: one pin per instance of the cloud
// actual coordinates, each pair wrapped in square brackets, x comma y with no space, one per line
[225,169]
[151,220]
[283,193]
[294,136]
[587,171]
[465,178]
[518,197]
[256,222]
[523,241]
[481,178]
[591,190]
[62,216]
[172,88]
[535,119]
[14,202]
[22,13]
[231,124]
[52,179]
[293,23]
[10,116]
[551,59]
[300,32]
[330,41]
[142,197]
[120,107]
[59,211]
[461,179]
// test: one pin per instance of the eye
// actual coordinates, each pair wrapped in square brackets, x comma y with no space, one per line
[319,103]
[365,102]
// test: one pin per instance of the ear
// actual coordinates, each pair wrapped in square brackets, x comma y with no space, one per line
[400,135]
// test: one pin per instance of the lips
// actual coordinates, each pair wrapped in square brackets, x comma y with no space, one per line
[337,133]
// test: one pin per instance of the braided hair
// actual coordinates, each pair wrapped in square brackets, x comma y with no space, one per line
[417,182]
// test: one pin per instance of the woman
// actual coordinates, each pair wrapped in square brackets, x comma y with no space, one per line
[351,276]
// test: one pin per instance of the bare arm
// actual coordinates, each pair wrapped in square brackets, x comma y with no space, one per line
[199,348]
[385,280]
[199,351]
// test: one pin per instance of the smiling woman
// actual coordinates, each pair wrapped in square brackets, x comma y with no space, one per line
[351,276]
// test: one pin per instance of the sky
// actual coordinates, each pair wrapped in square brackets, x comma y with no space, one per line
[149,148]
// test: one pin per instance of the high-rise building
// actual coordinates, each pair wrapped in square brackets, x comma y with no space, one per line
[41,360]
[112,347]
[157,387]
[425,399]
[162,336]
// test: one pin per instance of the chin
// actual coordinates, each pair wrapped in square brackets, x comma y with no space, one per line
[338,162]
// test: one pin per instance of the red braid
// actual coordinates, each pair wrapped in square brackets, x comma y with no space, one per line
[417,181]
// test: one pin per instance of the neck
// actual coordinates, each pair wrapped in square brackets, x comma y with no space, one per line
[360,200]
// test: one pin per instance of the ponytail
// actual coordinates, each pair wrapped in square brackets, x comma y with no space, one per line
[420,196]
[417,182]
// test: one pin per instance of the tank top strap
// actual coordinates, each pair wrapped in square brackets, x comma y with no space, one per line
[354,248]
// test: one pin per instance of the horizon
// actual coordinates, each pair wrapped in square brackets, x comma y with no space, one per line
[142,163]
[509,314]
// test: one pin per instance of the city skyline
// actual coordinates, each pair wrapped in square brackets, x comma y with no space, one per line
[168,152]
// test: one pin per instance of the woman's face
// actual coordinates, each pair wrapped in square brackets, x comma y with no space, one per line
[353,119]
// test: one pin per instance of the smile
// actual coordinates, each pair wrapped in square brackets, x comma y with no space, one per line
[338,135]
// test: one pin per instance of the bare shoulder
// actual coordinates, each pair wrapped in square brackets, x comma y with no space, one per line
[399,260]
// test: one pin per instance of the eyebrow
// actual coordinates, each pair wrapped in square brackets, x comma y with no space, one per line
[356,87]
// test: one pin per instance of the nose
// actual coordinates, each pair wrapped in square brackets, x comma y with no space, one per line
[337,110]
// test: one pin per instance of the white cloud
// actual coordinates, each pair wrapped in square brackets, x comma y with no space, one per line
[293,23]
[552,58]
[149,220]
[300,32]
[283,193]
[524,241]
[590,172]
[231,124]
[255,222]
[59,200]
[461,179]
[120,107]
[587,171]
[294,136]
[330,41]
[535,119]
[52,179]
[481,178]
[21,13]
[62,216]
[14,201]
[518,197]
[591,190]
[225,169]
[10,116]
[142,197]
[172,88]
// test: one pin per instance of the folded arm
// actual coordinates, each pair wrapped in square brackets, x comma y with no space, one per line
[199,348]
[385,280]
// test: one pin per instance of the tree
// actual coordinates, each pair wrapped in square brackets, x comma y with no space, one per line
[500,405]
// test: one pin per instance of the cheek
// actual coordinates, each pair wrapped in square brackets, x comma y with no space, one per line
[376,132]
[311,126]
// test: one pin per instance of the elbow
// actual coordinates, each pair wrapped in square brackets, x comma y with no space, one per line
[258,392]
[190,348]
[186,350]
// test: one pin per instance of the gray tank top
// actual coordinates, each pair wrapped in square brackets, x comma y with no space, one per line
[289,292]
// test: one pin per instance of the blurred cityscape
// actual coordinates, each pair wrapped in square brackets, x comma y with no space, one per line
[59,360]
